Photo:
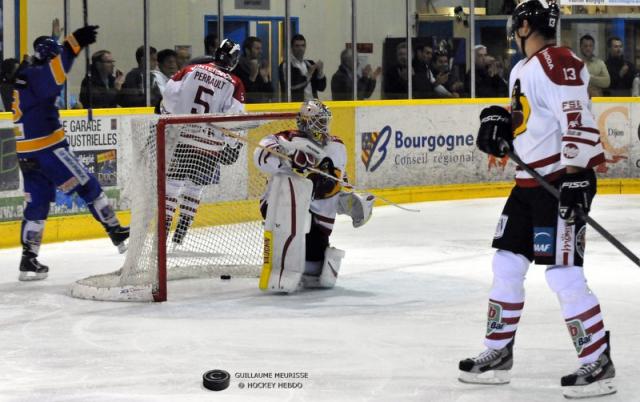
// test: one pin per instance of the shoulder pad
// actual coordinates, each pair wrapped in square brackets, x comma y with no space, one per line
[561,65]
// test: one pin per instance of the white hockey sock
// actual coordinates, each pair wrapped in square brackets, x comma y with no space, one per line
[506,299]
[580,309]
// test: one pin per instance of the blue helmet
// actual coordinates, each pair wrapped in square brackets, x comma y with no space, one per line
[46,48]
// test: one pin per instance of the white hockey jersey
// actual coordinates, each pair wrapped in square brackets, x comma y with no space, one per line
[323,209]
[552,119]
[203,89]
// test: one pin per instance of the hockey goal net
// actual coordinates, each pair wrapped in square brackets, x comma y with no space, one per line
[194,196]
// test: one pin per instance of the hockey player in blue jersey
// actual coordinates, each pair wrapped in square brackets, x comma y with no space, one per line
[43,152]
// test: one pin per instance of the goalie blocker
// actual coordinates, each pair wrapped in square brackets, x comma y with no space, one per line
[287,229]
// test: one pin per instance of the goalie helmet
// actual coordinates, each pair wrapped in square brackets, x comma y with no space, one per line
[227,55]
[313,120]
[543,16]
[46,48]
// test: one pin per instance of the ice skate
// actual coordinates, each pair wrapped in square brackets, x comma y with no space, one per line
[118,235]
[490,367]
[591,379]
[31,269]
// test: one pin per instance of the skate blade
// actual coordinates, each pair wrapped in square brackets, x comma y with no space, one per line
[27,276]
[491,377]
[598,388]
[122,248]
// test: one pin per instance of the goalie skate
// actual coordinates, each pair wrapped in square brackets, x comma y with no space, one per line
[591,379]
[490,367]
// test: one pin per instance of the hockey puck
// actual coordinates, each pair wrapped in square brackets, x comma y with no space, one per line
[216,380]
[225,277]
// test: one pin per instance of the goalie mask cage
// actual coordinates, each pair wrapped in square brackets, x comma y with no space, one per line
[194,195]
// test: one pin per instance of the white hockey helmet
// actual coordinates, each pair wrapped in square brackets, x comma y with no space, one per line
[313,120]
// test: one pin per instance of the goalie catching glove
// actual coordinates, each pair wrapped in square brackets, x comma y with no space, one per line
[357,206]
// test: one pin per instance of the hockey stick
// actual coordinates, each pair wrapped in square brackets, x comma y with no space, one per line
[87,66]
[556,194]
[280,155]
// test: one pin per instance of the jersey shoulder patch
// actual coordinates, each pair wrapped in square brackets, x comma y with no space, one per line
[561,65]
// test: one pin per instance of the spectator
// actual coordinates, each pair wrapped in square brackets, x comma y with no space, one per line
[621,71]
[106,82]
[211,43]
[167,66]
[132,92]
[307,77]
[635,86]
[253,74]
[489,83]
[342,80]
[183,55]
[445,86]
[598,72]
[423,79]
[396,78]
[7,81]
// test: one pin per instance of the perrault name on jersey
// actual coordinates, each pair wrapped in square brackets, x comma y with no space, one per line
[209,79]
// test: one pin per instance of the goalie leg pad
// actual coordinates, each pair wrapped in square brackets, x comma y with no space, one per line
[285,229]
[327,277]
[357,206]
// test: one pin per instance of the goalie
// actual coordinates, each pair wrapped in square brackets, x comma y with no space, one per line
[195,163]
[304,194]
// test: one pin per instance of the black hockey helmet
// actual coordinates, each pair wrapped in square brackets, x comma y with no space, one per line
[543,16]
[227,55]
[46,48]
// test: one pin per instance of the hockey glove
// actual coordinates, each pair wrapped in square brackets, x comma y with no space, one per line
[86,35]
[495,129]
[576,191]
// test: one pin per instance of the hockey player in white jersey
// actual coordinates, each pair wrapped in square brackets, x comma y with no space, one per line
[200,89]
[553,130]
[300,212]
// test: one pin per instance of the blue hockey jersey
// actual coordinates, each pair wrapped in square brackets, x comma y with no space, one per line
[35,115]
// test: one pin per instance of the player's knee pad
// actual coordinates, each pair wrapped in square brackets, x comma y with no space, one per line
[192,190]
[174,188]
[103,211]
[31,235]
[509,272]
[329,270]
[568,282]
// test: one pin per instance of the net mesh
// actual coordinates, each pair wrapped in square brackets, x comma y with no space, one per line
[212,211]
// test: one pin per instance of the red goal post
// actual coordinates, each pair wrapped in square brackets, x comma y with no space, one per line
[185,166]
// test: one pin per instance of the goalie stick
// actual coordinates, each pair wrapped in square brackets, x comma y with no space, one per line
[556,193]
[280,155]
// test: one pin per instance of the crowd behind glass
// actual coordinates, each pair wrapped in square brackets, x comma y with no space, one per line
[438,67]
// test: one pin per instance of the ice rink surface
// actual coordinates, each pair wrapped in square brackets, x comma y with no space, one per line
[410,303]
